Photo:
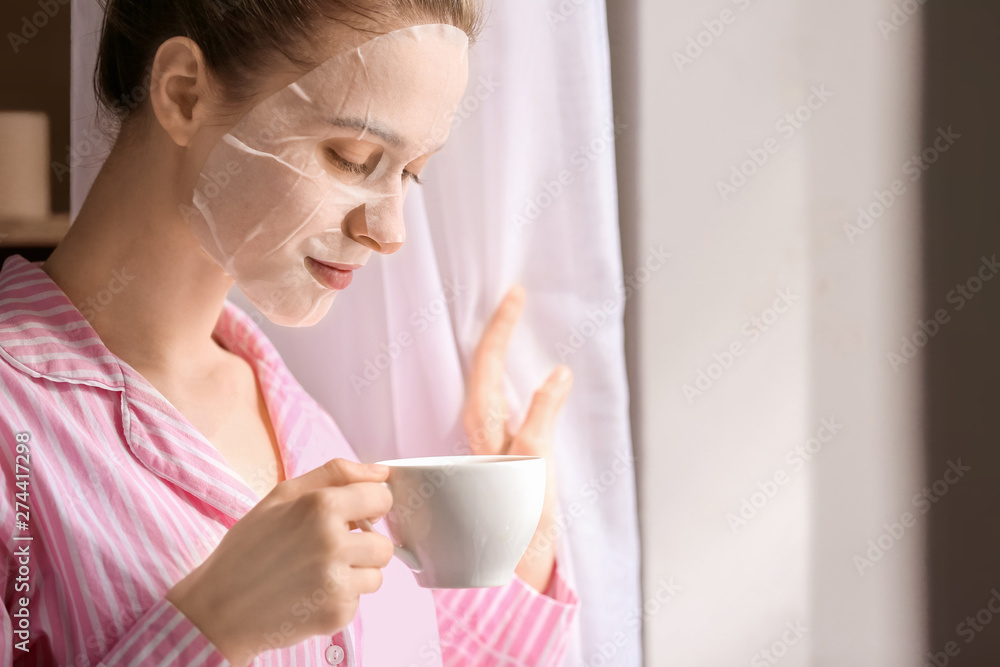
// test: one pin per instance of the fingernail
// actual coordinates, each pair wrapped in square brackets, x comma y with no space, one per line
[562,374]
[378,468]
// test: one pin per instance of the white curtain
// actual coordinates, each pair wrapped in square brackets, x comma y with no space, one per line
[524,192]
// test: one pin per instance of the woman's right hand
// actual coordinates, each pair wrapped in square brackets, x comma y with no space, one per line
[291,568]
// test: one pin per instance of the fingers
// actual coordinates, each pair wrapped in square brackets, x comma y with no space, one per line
[350,583]
[367,554]
[335,472]
[367,550]
[539,423]
[363,500]
[498,331]
[358,500]
[366,579]
[486,410]
[487,361]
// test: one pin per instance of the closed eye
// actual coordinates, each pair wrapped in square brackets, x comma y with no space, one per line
[346,165]
[361,169]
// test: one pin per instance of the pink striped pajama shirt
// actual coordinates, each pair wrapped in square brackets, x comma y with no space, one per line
[110,496]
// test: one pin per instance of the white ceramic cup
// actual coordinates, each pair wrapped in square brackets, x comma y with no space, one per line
[463,521]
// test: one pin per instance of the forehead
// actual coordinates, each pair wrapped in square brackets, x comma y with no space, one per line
[401,87]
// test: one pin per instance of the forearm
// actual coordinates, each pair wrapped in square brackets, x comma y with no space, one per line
[192,596]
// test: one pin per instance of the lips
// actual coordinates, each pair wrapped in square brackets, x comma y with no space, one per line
[332,275]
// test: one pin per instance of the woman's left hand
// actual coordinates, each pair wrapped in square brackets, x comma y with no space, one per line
[485,419]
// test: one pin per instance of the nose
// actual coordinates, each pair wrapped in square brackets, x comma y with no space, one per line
[378,227]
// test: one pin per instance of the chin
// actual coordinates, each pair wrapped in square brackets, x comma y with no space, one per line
[306,314]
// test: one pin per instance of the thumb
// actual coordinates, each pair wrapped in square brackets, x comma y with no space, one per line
[336,472]
[548,399]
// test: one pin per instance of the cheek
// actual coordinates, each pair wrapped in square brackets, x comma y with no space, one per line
[264,206]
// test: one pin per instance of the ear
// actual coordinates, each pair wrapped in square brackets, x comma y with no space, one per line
[180,89]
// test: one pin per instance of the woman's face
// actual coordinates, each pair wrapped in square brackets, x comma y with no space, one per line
[319,170]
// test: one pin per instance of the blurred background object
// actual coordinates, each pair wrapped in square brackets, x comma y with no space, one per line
[35,78]
[24,166]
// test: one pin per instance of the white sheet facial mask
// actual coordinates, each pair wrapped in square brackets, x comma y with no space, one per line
[270,194]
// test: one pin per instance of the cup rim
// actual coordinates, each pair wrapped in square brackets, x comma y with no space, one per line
[455,460]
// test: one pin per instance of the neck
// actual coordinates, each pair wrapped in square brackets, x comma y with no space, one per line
[132,266]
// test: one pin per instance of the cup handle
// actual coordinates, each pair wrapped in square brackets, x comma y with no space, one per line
[402,553]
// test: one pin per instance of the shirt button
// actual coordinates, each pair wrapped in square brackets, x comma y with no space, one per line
[334,655]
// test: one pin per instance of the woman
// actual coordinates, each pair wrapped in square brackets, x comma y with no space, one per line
[141,406]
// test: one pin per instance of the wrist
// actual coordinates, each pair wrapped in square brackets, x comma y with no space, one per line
[195,598]
[538,561]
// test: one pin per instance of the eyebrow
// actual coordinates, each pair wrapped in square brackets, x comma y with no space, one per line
[374,128]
